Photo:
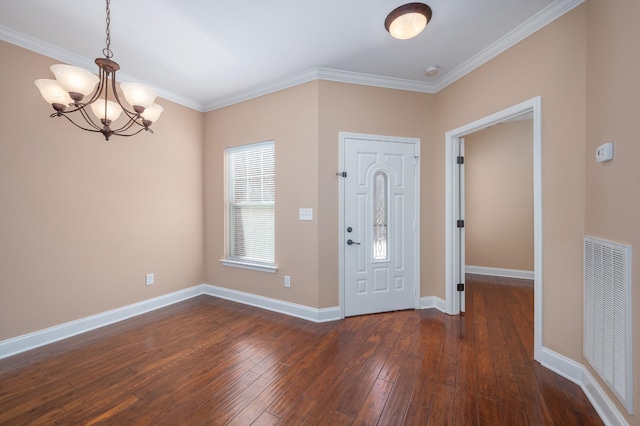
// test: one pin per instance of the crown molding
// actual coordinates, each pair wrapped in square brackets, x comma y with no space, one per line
[42,47]
[541,19]
[538,21]
[271,87]
[375,80]
[327,74]
[533,24]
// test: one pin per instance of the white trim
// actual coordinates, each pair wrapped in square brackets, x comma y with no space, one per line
[451,137]
[544,17]
[63,331]
[499,272]
[433,302]
[555,362]
[53,334]
[320,73]
[580,375]
[275,305]
[271,87]
[339,76]
[30,43]
[533,24]
[536,22]
[341,237]
[248,265]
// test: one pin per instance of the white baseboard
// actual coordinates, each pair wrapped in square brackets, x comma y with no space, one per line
[567,368]
[499,272]
[59,332]
[275,305]
[430,302]
[578,374]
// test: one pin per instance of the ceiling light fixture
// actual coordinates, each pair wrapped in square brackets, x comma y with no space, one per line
[72,85]
[407,21]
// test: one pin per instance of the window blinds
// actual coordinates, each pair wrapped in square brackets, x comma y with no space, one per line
[251,203]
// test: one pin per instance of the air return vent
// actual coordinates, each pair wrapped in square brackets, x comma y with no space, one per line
[607,315]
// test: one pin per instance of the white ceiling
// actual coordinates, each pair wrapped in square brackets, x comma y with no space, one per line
[210,53]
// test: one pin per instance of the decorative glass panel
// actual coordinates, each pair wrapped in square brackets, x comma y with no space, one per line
[379,215]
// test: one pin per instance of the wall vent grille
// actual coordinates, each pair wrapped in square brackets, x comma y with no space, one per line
[607,315]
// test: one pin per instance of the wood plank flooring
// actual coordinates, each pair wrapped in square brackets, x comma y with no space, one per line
[211,361]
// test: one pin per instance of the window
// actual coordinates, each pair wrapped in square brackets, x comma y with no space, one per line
[380,215]
[250,206]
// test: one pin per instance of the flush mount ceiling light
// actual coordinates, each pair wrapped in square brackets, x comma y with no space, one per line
[73,85]
[407,21]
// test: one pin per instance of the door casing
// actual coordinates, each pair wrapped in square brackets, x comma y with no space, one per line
[343,136]
[452,257]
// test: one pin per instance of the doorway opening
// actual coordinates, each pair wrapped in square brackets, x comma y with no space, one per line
[454,187]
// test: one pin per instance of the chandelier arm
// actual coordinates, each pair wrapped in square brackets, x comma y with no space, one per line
[88,118]
[96,94]
[96,130]
[77,106]
[131,134]
[132,115]
[128,125]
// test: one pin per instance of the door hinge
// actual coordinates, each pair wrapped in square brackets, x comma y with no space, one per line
[460,223]
[460,160]
[342,174]
[460,287]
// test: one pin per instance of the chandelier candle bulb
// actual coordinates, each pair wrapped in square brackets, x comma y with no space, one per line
[152,113]
[53,93]
[74,79]
[138,94]
[109,113]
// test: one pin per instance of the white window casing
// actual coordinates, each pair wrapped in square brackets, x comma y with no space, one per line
[250,207]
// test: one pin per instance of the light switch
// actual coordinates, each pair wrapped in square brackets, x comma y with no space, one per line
[306,214]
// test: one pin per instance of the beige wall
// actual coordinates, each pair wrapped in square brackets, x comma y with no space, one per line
[612,188]
[305,122]
[499,196]
[290,117]
[550,64]
[83,220]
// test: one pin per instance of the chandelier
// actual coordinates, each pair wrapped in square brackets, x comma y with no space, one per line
[67,94]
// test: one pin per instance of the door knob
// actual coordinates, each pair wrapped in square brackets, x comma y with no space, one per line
[351,242]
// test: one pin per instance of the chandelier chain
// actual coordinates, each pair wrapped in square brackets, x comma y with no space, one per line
[107,51]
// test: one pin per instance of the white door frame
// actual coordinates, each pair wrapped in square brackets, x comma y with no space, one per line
[341,231]
[451,214]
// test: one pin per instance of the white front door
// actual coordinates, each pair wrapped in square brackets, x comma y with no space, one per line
[380,230]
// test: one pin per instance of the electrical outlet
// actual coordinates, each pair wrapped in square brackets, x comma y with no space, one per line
[287,281]
[150,279]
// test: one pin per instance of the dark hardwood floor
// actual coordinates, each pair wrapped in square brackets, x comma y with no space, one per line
[211,361]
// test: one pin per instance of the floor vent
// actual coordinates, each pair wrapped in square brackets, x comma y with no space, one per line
[607,315]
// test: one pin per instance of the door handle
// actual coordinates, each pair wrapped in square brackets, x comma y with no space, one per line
[351,242]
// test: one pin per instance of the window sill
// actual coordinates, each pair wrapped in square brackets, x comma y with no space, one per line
[248,265]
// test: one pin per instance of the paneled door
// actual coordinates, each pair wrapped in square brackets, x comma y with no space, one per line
[380,232]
